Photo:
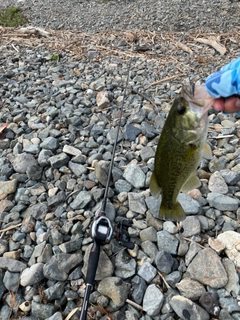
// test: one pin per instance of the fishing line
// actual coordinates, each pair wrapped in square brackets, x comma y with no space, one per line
[105,198]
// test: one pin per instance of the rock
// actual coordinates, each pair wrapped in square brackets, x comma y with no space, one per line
[6,205]
[210,303]
[138,289]
[148,234]
[105,267]
[115,289]
[125,265]
[147,271]
[43,157]
[233,280]
[12,265]
[217,183]
[34,172]
[231,177]
[190,289]
[230,240]
[71,150]
[7,187]
[189,205]
[22,161]
[186,309]
[136,202]
[134,175]
[211,273]
[55,292]
[60,264]
[50,143]
[147,153]
[81,200]
[102,99]
[167,242]
[222,202]
[131,132]
[165,262]
[55,316]
[191,226]
[32,275]
[77,169]
[152,300]
[59,160]
[194,248]
[11,280]
[42,311]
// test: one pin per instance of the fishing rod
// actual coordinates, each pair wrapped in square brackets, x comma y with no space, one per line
[102,229]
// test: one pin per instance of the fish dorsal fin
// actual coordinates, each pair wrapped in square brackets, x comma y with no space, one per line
[154,187]
[207,151]
[191,183]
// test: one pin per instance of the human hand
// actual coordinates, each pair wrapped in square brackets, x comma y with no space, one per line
[224,86]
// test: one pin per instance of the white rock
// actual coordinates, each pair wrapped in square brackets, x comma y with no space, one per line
[7,187]
[102,99]
[231,242]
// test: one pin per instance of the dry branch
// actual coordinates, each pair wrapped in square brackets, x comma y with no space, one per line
[213,42]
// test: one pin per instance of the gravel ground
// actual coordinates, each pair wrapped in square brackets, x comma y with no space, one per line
[62,113]
[152,15]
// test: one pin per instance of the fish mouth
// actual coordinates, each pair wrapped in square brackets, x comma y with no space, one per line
[198,99]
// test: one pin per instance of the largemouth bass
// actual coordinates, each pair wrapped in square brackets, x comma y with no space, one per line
[180,148]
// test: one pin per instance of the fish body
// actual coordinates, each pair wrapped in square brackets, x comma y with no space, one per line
[179,151]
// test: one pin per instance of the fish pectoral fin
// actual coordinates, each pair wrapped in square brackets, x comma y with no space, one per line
[175,213]
[154,186]
[191,183]
[207,151]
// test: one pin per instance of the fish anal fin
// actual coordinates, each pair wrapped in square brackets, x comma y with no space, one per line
[175,213]
[191,183]
[207,151]
[154,186]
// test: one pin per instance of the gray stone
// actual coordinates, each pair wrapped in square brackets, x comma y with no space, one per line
[56,199]
[101,172]
[125,265]
[59,160]
[189,205]
[211,272]
[147,271]
[153,205]
[222,202]
[43,157]
[131,132]
[148,234]
[34,172]
[112,135]
[71,246]
[50,143]
[115,289]
[148,130]
[12,265]
[139,287]
[22,161]
[230,304]
[32,275]
[233,279]
[209,301]
[152,300]
[173,278]
[77,169]
[149,248]
[167,242]
[170,227]
[11,280]
[55,316]
[190,289]
[41,311]
[194,248]
[186,309]
[58,267]
[55,292]
[147,153]
[165,262]
[231,177]
[136,202]
[122,186]
[81,200]
[191,226]
[134,175]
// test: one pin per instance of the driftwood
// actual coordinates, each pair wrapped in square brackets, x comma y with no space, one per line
[213,42]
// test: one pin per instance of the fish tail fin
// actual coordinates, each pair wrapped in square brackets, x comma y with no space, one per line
[175,213]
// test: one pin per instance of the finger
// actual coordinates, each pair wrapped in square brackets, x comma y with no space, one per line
[218,104]
[232,104]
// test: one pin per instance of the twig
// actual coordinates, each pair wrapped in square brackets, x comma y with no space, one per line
[11,227]
[146,98]
[164,280]
[71,314]
[15,47]
[223,136]
[166,79]
[134,304]
[190,240]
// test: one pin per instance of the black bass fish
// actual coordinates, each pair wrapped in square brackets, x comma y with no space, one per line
[180,148]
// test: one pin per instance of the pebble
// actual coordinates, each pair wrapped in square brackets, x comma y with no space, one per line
[230,242]
[152,300]
[7,187]
[147,272]
[222,202]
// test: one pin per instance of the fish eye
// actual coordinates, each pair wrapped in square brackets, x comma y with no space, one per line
[181,109]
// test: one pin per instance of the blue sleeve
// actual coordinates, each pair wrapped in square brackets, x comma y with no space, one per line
[225,82]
